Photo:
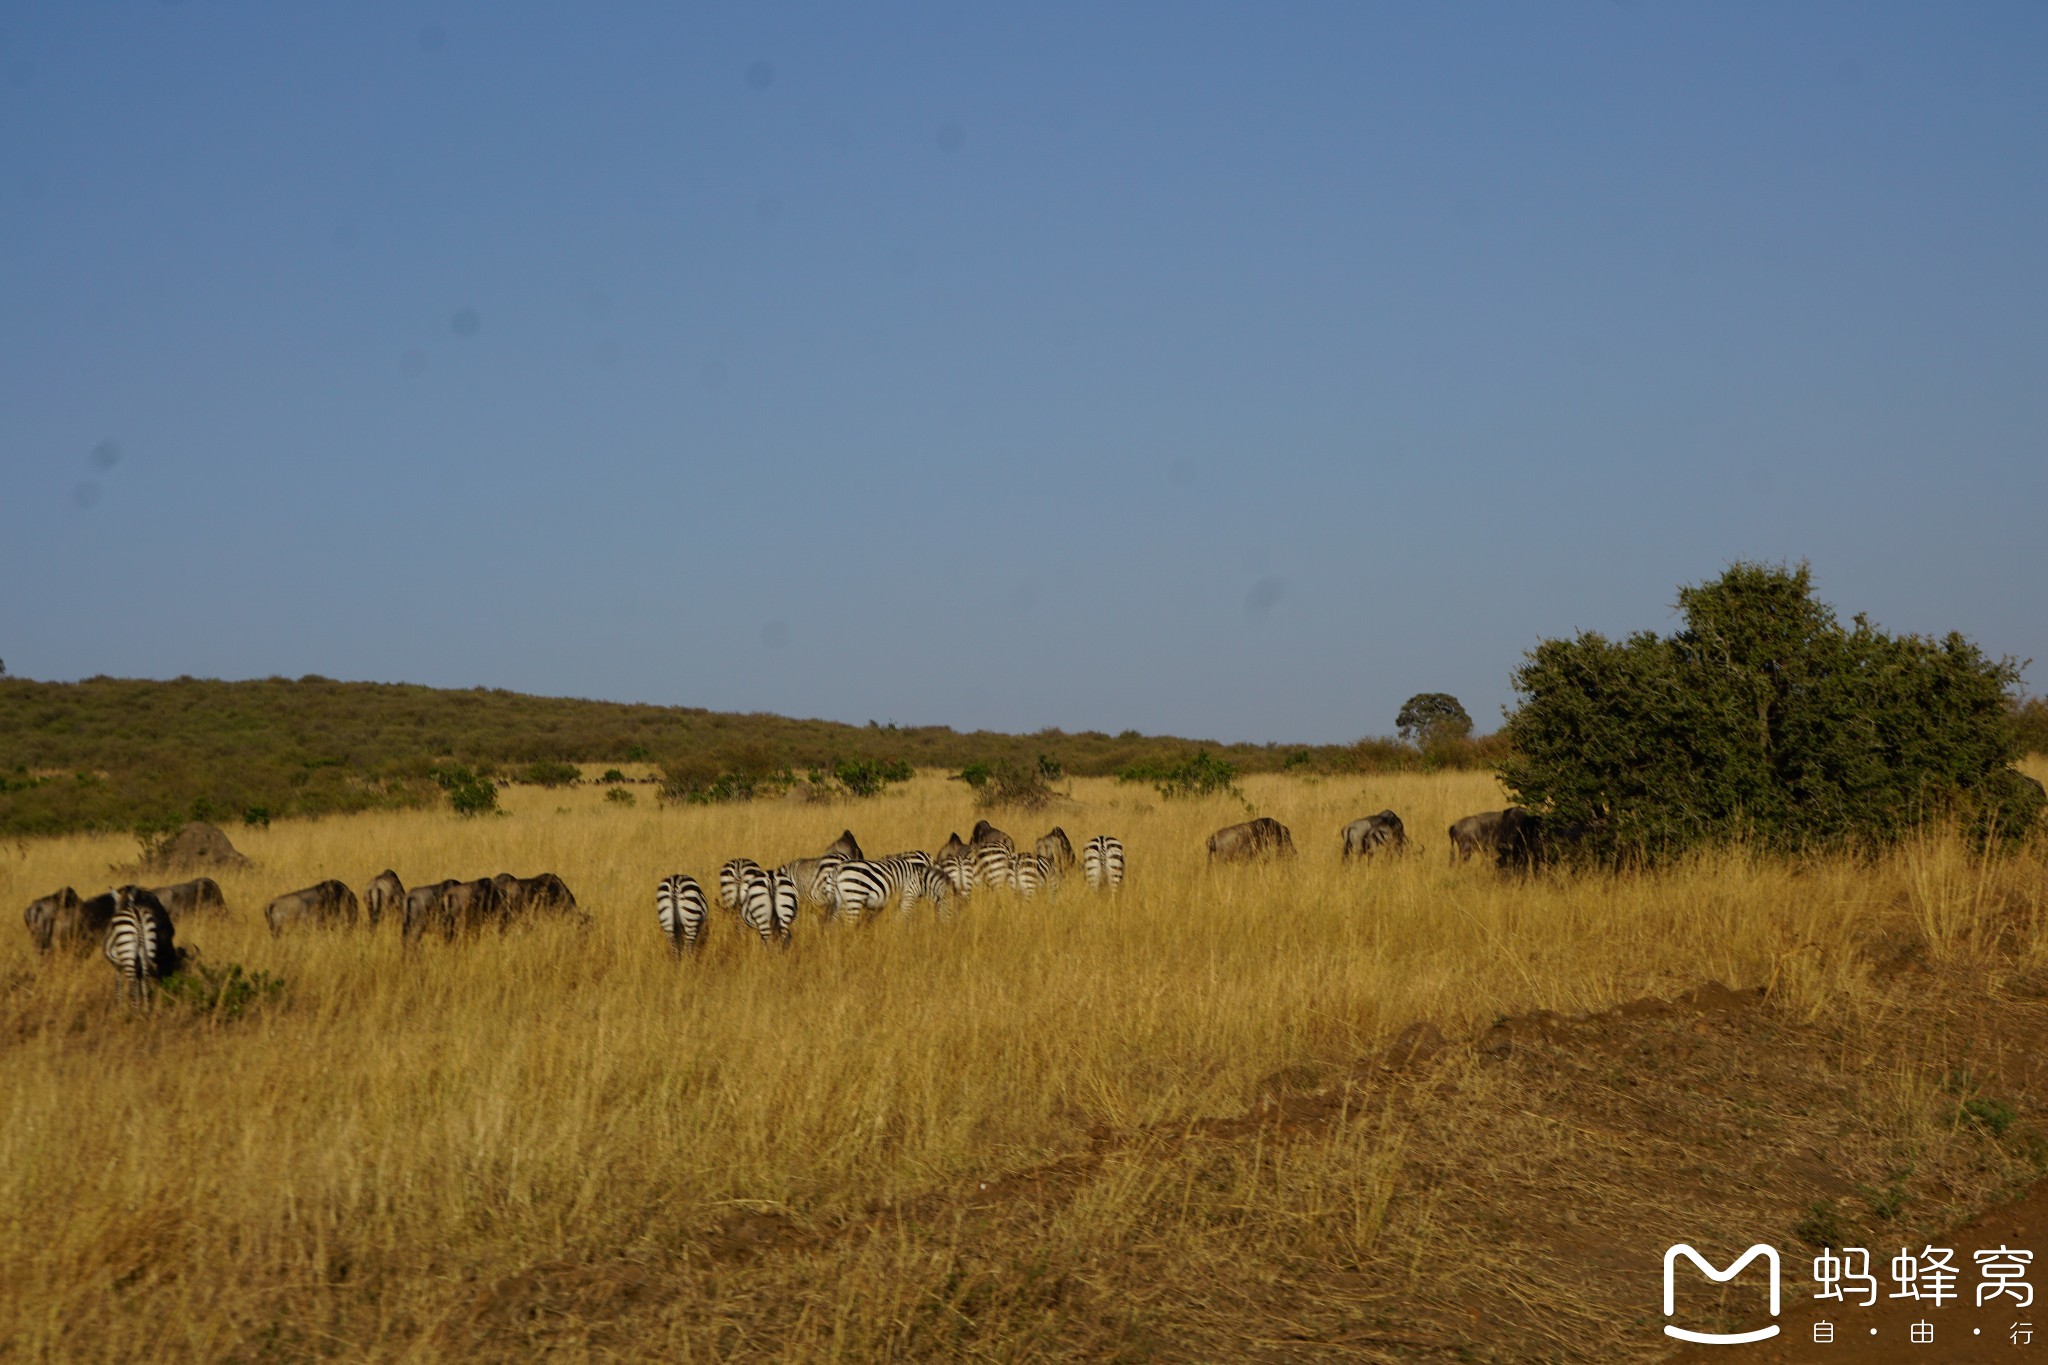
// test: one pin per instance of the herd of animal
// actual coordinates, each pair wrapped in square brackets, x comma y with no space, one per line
[842,882]
[137,926]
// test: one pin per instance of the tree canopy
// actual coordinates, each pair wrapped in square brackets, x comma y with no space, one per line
[1764,717]
[1430,718]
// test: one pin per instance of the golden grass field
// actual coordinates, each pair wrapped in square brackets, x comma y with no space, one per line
[1032,1132]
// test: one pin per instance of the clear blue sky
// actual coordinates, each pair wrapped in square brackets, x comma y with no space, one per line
[1233,371]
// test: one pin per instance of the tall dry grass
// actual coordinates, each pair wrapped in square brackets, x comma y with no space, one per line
[338,1174]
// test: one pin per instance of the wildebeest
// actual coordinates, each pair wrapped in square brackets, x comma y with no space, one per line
[1363,838]
[385,892]
[985,834]
[468,907]
[1475,834]
[200,896]
[140,943]
[1053,844]
[322,903]
[1519,846]
[1529,841]
[845,846]
[1263,837]
[546,894]
[423,909]
[64,917]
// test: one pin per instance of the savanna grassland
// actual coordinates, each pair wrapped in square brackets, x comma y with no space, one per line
[1404,1110]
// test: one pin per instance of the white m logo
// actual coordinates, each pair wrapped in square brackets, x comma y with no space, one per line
[1671,1255]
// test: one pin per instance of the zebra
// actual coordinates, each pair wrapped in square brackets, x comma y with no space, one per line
[993,865]
[141,944]
[955,862]
[768,903]
[1102,862]
[817,881]
[903,878]
[729,879]
[1030,871]
[680,906]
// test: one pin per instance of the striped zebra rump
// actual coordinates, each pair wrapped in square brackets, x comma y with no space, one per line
[768,903]
[680,906]
[140,943]
[992,865]
[958,870]
[1102,862]
[863,886]
[1031,873]
[729,878]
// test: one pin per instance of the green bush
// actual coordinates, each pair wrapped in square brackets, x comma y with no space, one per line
[1200,773]
[1008,782]
[225,993]
[868,777]
[1763,718]
[620,796]
[548,773]
[612,775]
[468,793]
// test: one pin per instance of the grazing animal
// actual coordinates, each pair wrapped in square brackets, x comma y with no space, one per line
[200,896]
[817,880]
[768,903]
[680,906]
[61,917]
[1054,845]
[955,862]
[1032,872]
[1363,838]
[425,908]
[1263,837]
[985,834]
[385,892]
[544,894]
[845,846]
[1530,841]
[865,886]
[322,903]
[729,881]
[467,907]
[1102,862]
[1475,834]
[141,943]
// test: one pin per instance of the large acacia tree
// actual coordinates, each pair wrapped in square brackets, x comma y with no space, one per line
[1764,718]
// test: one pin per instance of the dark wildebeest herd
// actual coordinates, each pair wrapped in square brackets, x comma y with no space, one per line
[137,926]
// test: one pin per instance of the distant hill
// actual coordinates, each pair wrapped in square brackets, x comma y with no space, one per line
[118,753]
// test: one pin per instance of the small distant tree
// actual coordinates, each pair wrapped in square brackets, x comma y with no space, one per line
[469,792]
[1429,720]
[1764,718]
